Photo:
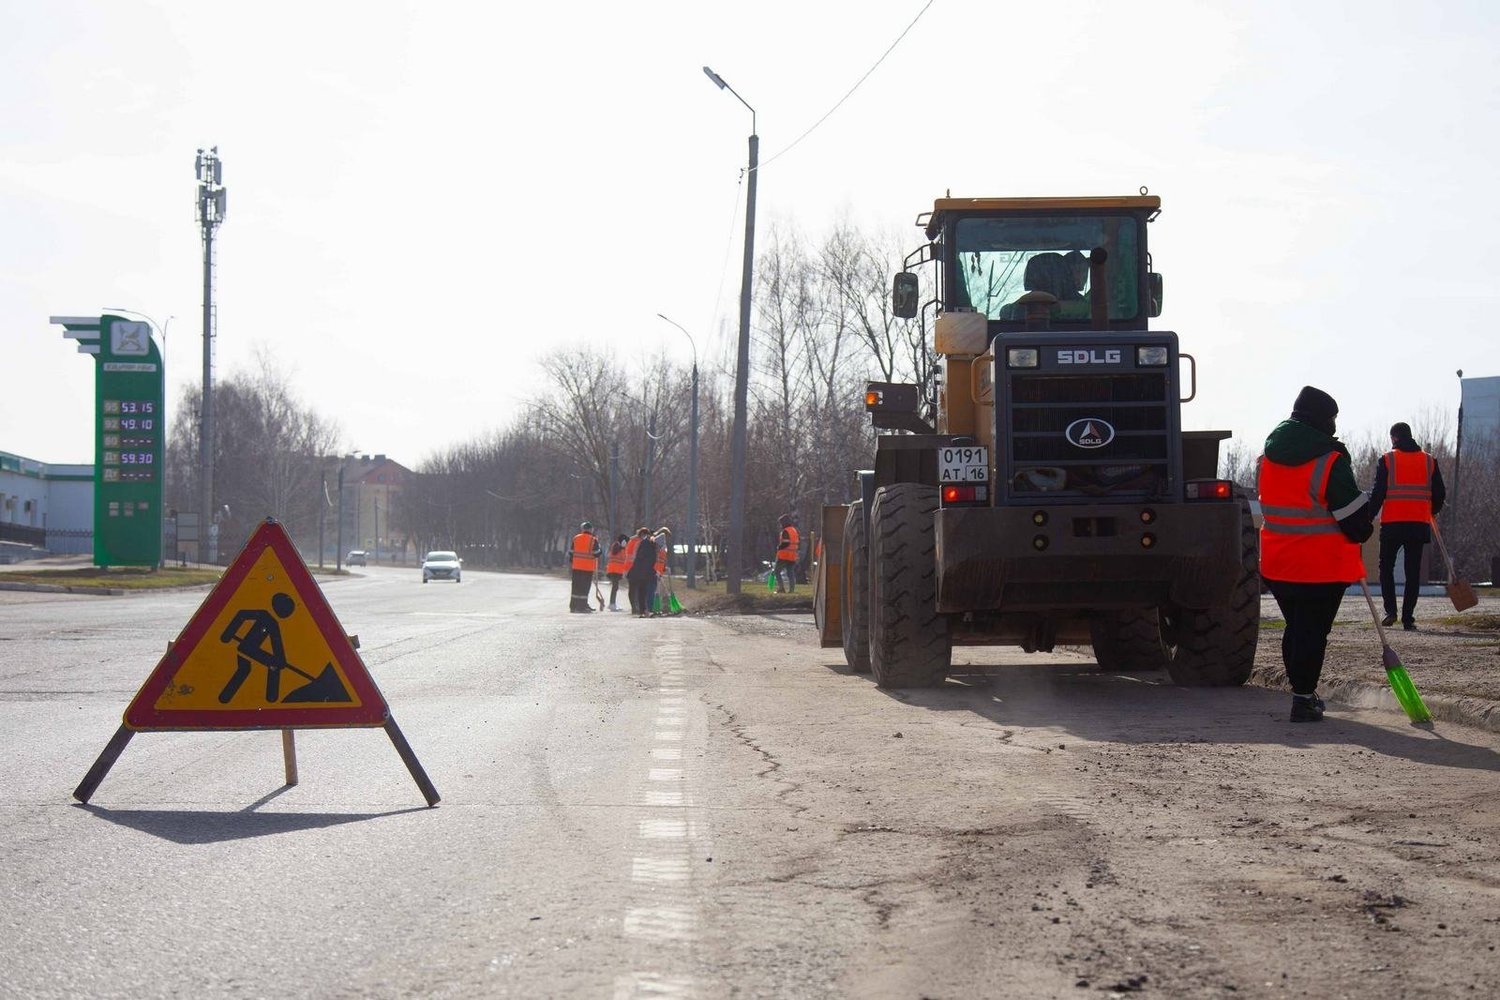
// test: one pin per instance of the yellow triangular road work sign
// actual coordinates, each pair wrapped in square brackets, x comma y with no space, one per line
[264,651]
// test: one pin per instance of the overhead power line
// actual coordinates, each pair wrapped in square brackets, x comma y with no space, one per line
[852,89]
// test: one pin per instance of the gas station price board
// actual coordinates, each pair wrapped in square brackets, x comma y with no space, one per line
[129,437]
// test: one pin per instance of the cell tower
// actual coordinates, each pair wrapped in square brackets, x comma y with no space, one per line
[211,204]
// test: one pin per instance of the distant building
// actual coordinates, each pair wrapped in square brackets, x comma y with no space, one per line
[372,484]
[1479,408]
[46,506]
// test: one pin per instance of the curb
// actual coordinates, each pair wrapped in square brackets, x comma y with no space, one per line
[56,588]
[1476,712]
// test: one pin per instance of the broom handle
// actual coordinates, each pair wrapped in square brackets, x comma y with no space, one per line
[1443,549]
[1379,629]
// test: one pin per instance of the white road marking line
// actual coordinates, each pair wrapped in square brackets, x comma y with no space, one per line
[662,829]
[661,923]
[666,753]
[663,797]
[664,774]
[667,735]
[659,869]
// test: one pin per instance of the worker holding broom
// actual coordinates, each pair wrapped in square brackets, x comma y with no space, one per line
[1315,518]
[1408,494]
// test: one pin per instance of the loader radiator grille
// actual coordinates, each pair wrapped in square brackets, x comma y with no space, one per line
[1124,418]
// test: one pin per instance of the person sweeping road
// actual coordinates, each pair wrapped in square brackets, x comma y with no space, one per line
[1315,519]
[1408,494]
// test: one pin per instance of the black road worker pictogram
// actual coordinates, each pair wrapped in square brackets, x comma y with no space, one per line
[261,643]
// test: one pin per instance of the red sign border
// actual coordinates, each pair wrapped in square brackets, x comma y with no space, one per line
[143,715]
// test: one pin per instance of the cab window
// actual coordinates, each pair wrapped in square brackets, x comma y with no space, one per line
[1000,259]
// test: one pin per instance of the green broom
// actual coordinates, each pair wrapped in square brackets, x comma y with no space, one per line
[1401,685]
[673,604]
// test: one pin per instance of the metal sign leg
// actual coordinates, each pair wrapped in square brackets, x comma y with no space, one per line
[410,759]
[101,767]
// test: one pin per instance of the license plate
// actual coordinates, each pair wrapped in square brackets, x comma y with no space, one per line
[964,464]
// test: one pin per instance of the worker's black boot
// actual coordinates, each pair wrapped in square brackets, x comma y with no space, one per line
[1307,708]
[1389,619]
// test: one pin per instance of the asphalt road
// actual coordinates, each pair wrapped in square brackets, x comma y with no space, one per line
[716,807]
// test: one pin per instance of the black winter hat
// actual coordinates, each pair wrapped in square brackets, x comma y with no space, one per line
[1314,406]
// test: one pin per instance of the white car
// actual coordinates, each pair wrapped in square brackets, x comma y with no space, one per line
[442,565]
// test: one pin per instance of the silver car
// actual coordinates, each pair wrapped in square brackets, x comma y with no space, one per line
[442,565]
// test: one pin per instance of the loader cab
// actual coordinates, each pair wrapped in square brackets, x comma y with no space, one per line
[1068,264]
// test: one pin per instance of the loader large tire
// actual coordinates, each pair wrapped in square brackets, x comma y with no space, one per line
[1216,647]
[1126,641]
[910,645]
[854,590]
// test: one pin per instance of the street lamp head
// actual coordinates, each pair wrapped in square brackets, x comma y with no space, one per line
[716,78]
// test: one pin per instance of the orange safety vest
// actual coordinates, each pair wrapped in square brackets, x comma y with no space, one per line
[787,552]
[630,547]
[1408,495]
[661,557]
[619,560]
[1300,540]
[584,548]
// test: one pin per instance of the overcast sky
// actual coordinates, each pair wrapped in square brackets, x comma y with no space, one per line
[423,198]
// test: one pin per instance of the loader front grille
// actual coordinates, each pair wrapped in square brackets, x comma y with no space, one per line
[1129,412]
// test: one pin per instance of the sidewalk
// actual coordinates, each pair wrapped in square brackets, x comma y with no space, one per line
[1453,658]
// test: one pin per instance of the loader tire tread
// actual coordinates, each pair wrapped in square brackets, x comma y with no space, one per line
[910,646]
[1216,648]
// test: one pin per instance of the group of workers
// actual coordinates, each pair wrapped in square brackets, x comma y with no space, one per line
[640,560]
[1315,519]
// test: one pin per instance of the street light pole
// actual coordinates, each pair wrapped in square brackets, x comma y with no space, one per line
[692,530]
[735,555]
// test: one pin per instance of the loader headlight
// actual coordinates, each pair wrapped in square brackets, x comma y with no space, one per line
[1152,357]
[1022,357]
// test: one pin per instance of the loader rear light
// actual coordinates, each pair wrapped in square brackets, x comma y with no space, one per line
[964,494]
[1148,540]
[1148,516]
[1040,543]
[1210,489]
[1039,518]
[874,398]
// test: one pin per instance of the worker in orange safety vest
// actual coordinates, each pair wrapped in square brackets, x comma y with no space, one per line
[630,547]
[1408,494]
[585,563]
[1315,518]
[615,567]
[786,555]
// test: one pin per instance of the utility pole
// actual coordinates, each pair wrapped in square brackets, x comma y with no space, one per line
[322,512]
[650,466]
[211,206]
[614,490]
[338,555]
[735,558]
[692,525]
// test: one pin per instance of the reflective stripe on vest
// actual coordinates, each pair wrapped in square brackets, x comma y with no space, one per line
[787,551]
[583,552]
[1408,495]
[661,556]
[1300,540]
[618,562]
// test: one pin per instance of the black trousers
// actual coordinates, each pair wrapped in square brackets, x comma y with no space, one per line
[1393,538]
[580,599]
[1309,610]
[614,588]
